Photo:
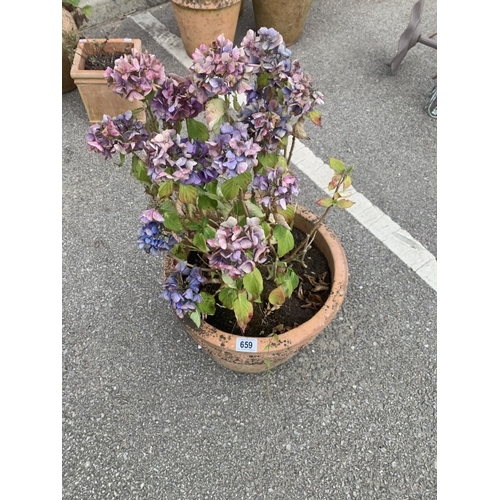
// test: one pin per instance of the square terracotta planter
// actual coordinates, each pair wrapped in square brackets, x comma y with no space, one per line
[97,97]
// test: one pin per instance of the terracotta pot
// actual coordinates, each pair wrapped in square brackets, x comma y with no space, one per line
[97,97]
[69,35]
[202,21]
[225,347]
[68,84]
[286,16]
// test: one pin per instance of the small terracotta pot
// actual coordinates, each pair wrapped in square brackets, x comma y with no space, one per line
[225,347]
[286,16]
[98,98]
[202,21]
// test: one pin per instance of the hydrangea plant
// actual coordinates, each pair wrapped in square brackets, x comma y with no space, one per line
[214,157]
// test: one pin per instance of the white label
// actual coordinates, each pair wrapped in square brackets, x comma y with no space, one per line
[246,344]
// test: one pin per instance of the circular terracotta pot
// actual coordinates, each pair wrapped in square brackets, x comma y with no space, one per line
[69,38]
[225,348]
[202,21]
[286,16]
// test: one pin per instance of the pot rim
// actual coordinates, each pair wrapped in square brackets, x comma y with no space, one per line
[205,4]
[307,331]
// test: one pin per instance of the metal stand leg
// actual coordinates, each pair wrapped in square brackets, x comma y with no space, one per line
[432,105]
[411,36]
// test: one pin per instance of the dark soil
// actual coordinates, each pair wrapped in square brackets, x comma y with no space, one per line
[102,61]
[308,297]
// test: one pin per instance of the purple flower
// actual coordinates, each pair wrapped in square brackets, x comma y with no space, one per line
[190,162]
[267,49]
[267,123]
[175,101]
[123,134]
[152,234]
[277,187]
[181,289]
[157,154]
[135,75]
[300,95]
[220,68]
[232,150]
[238,249]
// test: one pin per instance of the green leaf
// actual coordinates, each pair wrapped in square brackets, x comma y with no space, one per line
[196,317]
[315,117]
[281,162]
[207,305]
[236,103]
[267,160]
[266,227]
[334,182]
[288,214]
[200,242]
[289,280]
[207,203]
[337,165]
[209,232]
[253,283]
[254,210]
[166,189]
[284,238]
[172,220]
[277,297]
[227,296]
[197,130]
[228,281]
[243,310]
[230,189]
[211,187]
[214,111]
[179,252]
[263,79]
[188,194]
[139,170]
[243,180]
[343,203]
[325,202]
[122,160]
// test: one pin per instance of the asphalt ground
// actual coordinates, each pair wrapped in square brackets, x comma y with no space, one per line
[148,415]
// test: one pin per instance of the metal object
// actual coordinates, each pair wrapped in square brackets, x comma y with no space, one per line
[431,106]
[411,36]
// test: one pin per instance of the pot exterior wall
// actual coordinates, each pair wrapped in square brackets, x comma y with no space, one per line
[203,21]
[68,84]
[221,346]
[69,35]
[286,16]
[97,97]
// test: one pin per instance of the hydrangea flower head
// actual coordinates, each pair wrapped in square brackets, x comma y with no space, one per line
[135,75]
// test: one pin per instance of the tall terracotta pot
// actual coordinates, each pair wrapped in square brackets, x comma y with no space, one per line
[202,21]
[286,16]
[254,355]
[97,97]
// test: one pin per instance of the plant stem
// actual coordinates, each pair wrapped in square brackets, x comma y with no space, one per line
[309,237]
[289,159]
[242,199]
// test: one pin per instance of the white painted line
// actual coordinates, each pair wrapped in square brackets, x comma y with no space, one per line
[399,241]
[169,41]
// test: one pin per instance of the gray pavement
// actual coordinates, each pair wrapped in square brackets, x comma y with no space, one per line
[148,415]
